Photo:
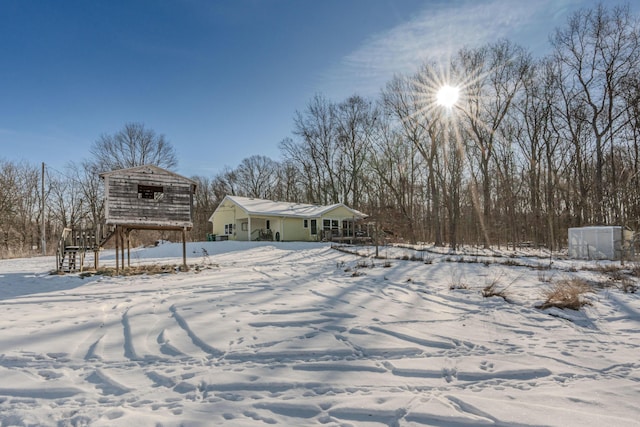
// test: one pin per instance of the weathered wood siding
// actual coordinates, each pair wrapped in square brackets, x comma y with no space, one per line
[124,206]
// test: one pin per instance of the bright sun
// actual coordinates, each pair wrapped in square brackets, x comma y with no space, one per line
[447,96]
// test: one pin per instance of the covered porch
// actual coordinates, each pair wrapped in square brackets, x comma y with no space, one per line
[260,228]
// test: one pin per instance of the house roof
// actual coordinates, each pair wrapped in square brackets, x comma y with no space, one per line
[254,206]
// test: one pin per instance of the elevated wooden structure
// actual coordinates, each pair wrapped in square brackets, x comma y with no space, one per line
[138,198]
[147,198]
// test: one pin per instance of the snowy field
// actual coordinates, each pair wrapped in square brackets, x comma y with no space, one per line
[297,334]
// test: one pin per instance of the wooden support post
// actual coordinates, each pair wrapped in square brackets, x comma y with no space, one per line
[117,255]
[121,237]
[128,234]
[184,250]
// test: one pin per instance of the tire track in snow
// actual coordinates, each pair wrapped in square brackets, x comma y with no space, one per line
[444,345]
[107,384]
[129,350]
[197,341]
[166,347]
[92,352]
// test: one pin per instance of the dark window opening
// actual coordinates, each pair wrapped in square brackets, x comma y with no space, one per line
[314,227]
[152,192]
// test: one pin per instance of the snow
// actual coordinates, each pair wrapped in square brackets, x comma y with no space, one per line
[300,334]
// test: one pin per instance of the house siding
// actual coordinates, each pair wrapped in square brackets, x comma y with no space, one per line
[293,229]
[339,212]
[224,216]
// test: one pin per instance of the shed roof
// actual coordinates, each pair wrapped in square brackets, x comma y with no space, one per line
[149,169]
[264,207]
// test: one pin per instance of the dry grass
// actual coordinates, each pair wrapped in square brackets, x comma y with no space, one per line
[133,271]
[635,269]
[566,293]
[365,264]
[615,272]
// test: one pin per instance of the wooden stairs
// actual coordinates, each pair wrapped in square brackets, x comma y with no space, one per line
[78,249]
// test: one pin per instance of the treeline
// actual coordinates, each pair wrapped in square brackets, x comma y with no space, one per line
[531,147]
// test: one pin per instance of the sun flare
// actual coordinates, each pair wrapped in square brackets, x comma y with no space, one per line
[447,96]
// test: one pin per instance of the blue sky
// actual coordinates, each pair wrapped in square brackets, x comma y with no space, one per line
[222,79]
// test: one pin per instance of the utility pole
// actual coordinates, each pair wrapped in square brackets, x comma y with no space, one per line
[43,237]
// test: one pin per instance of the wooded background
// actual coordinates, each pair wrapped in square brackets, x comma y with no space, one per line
[532,147]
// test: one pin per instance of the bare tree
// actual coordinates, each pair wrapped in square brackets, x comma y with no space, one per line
[225,183]
[20,211]
[405,100]
[495,73]
[395,165]
[355,125]
[256,176]
[599,51]
[133,145]
[289,182]
[66,201]
[205,202]
[317,149]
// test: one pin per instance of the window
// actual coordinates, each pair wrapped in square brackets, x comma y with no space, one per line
[314,226]
[305,223]
[268,225]
[329,224]
[330,227]
[347,227]
[228,229]
[151,192]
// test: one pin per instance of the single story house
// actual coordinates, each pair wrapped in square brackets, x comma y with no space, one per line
[244,218]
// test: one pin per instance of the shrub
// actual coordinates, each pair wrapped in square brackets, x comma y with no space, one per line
[544,277]
[616,272]
[492,290]
[566,293]
[457,283]
[512,263]
[635,270]
[628,286]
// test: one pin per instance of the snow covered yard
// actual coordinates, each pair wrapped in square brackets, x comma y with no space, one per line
[299,334]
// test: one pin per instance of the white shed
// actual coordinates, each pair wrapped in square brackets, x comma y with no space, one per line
[603,242]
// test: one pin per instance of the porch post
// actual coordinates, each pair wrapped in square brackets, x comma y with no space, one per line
[282,229]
